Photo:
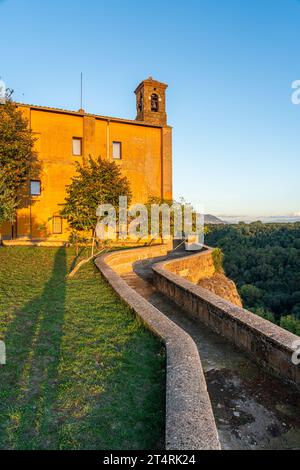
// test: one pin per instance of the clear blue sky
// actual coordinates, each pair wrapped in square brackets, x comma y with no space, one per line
[229,65]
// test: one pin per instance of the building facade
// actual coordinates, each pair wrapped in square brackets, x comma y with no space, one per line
[141,147]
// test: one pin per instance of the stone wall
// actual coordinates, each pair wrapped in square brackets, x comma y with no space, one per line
[122,261]
[190,423]
[268,344]
[193,268]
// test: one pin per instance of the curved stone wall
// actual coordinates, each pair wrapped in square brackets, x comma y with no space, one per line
[190,423]
[268,344]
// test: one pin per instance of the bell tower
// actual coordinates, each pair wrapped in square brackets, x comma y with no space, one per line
[151,102]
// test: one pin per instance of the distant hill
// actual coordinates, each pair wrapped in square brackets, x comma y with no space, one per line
[212,219]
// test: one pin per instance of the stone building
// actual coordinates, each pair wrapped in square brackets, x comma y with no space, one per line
[142,147]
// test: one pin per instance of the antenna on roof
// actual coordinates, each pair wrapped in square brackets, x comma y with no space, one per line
[81,91]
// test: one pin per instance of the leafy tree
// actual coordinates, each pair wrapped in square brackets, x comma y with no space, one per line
[290,323]
[8,203]
[96,182]
[251,295]
[17,159]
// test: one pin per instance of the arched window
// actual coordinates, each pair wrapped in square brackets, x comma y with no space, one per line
[154,102]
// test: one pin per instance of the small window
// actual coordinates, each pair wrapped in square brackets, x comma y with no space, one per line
[35,187]
[117,150]
[77,146]
[57,224]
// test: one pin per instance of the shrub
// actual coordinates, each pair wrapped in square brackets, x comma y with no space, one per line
[218,256]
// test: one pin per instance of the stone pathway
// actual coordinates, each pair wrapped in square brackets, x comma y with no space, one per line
[253,410]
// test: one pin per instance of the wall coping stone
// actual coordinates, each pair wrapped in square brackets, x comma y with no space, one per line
[277,334]
[274,334]
[190,423]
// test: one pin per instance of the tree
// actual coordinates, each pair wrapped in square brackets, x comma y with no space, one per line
[290,323]
[8,203]
[17,159]
[251,295]
[96,182]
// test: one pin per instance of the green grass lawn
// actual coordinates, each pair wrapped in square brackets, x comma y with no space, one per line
[82,372]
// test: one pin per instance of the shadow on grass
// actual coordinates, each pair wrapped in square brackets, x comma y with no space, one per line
[79,374]
[76,258]
[129,414]
[28,388]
